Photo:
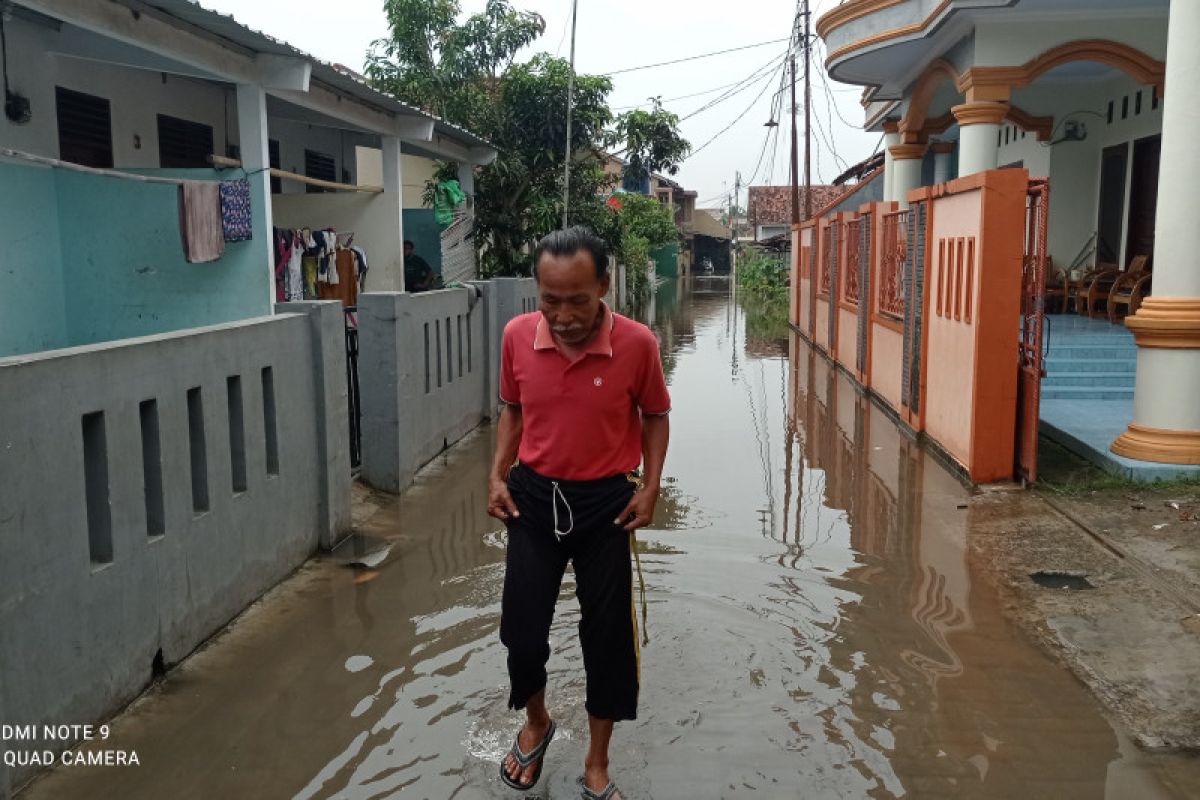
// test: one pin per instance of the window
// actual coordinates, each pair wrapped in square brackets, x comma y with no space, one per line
[183,144]
[84,128]
[319,165]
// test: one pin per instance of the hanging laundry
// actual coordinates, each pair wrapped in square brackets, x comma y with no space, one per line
[310,267]
[236,219]
[295,274]
[346,288]
[200,221]
[447,196]
[361,255]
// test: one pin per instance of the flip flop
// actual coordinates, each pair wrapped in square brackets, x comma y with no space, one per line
[537,754]
[611,792]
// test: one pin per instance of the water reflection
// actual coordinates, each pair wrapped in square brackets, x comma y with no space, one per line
[816,628]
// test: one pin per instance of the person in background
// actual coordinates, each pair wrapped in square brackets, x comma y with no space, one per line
[418,275]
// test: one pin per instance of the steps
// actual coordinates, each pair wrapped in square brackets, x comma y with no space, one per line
[1093,361]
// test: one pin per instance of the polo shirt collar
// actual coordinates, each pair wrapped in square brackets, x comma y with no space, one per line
[602,345]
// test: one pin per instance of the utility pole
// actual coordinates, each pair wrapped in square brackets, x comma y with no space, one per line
[807,117]
[795,157]
[570,108]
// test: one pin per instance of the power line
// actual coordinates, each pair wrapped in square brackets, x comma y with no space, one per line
[743,85]
[735,121]
[693,58]
[696,94]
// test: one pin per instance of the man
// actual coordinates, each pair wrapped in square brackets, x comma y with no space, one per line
[584,403]
[418,275]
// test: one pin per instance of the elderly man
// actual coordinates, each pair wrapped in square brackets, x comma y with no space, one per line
[585,403]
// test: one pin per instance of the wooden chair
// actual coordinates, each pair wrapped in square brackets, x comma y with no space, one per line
[1129,289]
[1092,297]
[1077,289]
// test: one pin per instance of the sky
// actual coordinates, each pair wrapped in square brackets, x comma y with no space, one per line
[617,34]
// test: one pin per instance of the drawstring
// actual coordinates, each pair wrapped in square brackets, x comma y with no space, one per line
[554,495]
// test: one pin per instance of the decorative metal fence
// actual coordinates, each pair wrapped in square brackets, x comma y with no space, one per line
[893,250]
[850,284]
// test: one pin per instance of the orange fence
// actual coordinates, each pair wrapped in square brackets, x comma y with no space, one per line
[921,306]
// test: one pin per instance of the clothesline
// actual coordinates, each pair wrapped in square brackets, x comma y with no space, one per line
[222,161]
[109,173]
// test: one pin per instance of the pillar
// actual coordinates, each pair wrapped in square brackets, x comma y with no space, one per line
[256,161]
[466,178]
[891,137]
[906,168]
[393,197]
[979,125]
[942,154]
[1166,413]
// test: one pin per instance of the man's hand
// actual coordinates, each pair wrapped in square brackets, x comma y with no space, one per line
[500,501]
[640,510]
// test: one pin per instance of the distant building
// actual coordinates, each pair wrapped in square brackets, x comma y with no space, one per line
[769,208]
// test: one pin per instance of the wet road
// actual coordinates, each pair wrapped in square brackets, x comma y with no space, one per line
[816,629]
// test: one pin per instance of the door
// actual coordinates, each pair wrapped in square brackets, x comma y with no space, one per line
[1143,198]
[1113,163]
[1033,308]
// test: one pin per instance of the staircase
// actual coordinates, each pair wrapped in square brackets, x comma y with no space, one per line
[1088,359]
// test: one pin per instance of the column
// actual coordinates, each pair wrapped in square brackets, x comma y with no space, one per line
[256,161]
[942,153]
[891,136]
[906,166]
[466,177]
[393,196]
[979,124]
[1166,412]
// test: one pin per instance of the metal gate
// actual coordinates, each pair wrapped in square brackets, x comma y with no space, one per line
[1033,312]
[352,399]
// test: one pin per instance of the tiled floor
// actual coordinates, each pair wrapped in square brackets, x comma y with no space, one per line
[1087,394]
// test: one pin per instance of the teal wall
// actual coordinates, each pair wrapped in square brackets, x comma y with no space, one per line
[88,259]
[32,309]
[666,260]
[123,264]
[426,235]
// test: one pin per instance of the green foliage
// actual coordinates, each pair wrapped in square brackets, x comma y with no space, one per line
[465,72]
[763,276]
[643,224]
[650,141]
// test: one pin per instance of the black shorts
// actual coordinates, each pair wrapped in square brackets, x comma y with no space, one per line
[537,556]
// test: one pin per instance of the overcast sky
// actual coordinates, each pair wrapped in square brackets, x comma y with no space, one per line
[616,34]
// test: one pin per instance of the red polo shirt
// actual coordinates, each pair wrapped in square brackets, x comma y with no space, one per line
[582,419]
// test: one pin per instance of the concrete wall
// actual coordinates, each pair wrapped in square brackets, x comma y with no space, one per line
[95,259]
[33,307]
[136,97]
[429,370]
[138,517]
[415,169]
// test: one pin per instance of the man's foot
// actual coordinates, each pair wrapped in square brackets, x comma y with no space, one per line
[522,766]
[595,785]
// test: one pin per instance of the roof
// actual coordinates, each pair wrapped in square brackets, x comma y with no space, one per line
[772,205]
[226,29]
[709,224]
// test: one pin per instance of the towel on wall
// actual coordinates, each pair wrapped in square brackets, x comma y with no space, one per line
[236,219]
[200,221]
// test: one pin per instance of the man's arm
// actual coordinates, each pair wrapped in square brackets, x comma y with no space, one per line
[656,434]
[508,441]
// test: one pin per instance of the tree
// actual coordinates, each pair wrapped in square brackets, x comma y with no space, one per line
[466,73]
[651,141]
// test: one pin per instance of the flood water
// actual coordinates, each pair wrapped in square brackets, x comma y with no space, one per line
[816,629]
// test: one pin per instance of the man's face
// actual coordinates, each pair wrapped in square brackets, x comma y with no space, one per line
[408,250]
[569,295]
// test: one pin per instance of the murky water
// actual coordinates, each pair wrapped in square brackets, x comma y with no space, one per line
[816,629]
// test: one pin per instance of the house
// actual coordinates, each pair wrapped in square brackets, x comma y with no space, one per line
[769,208]
[176,440]
[169,90]
[968,94]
